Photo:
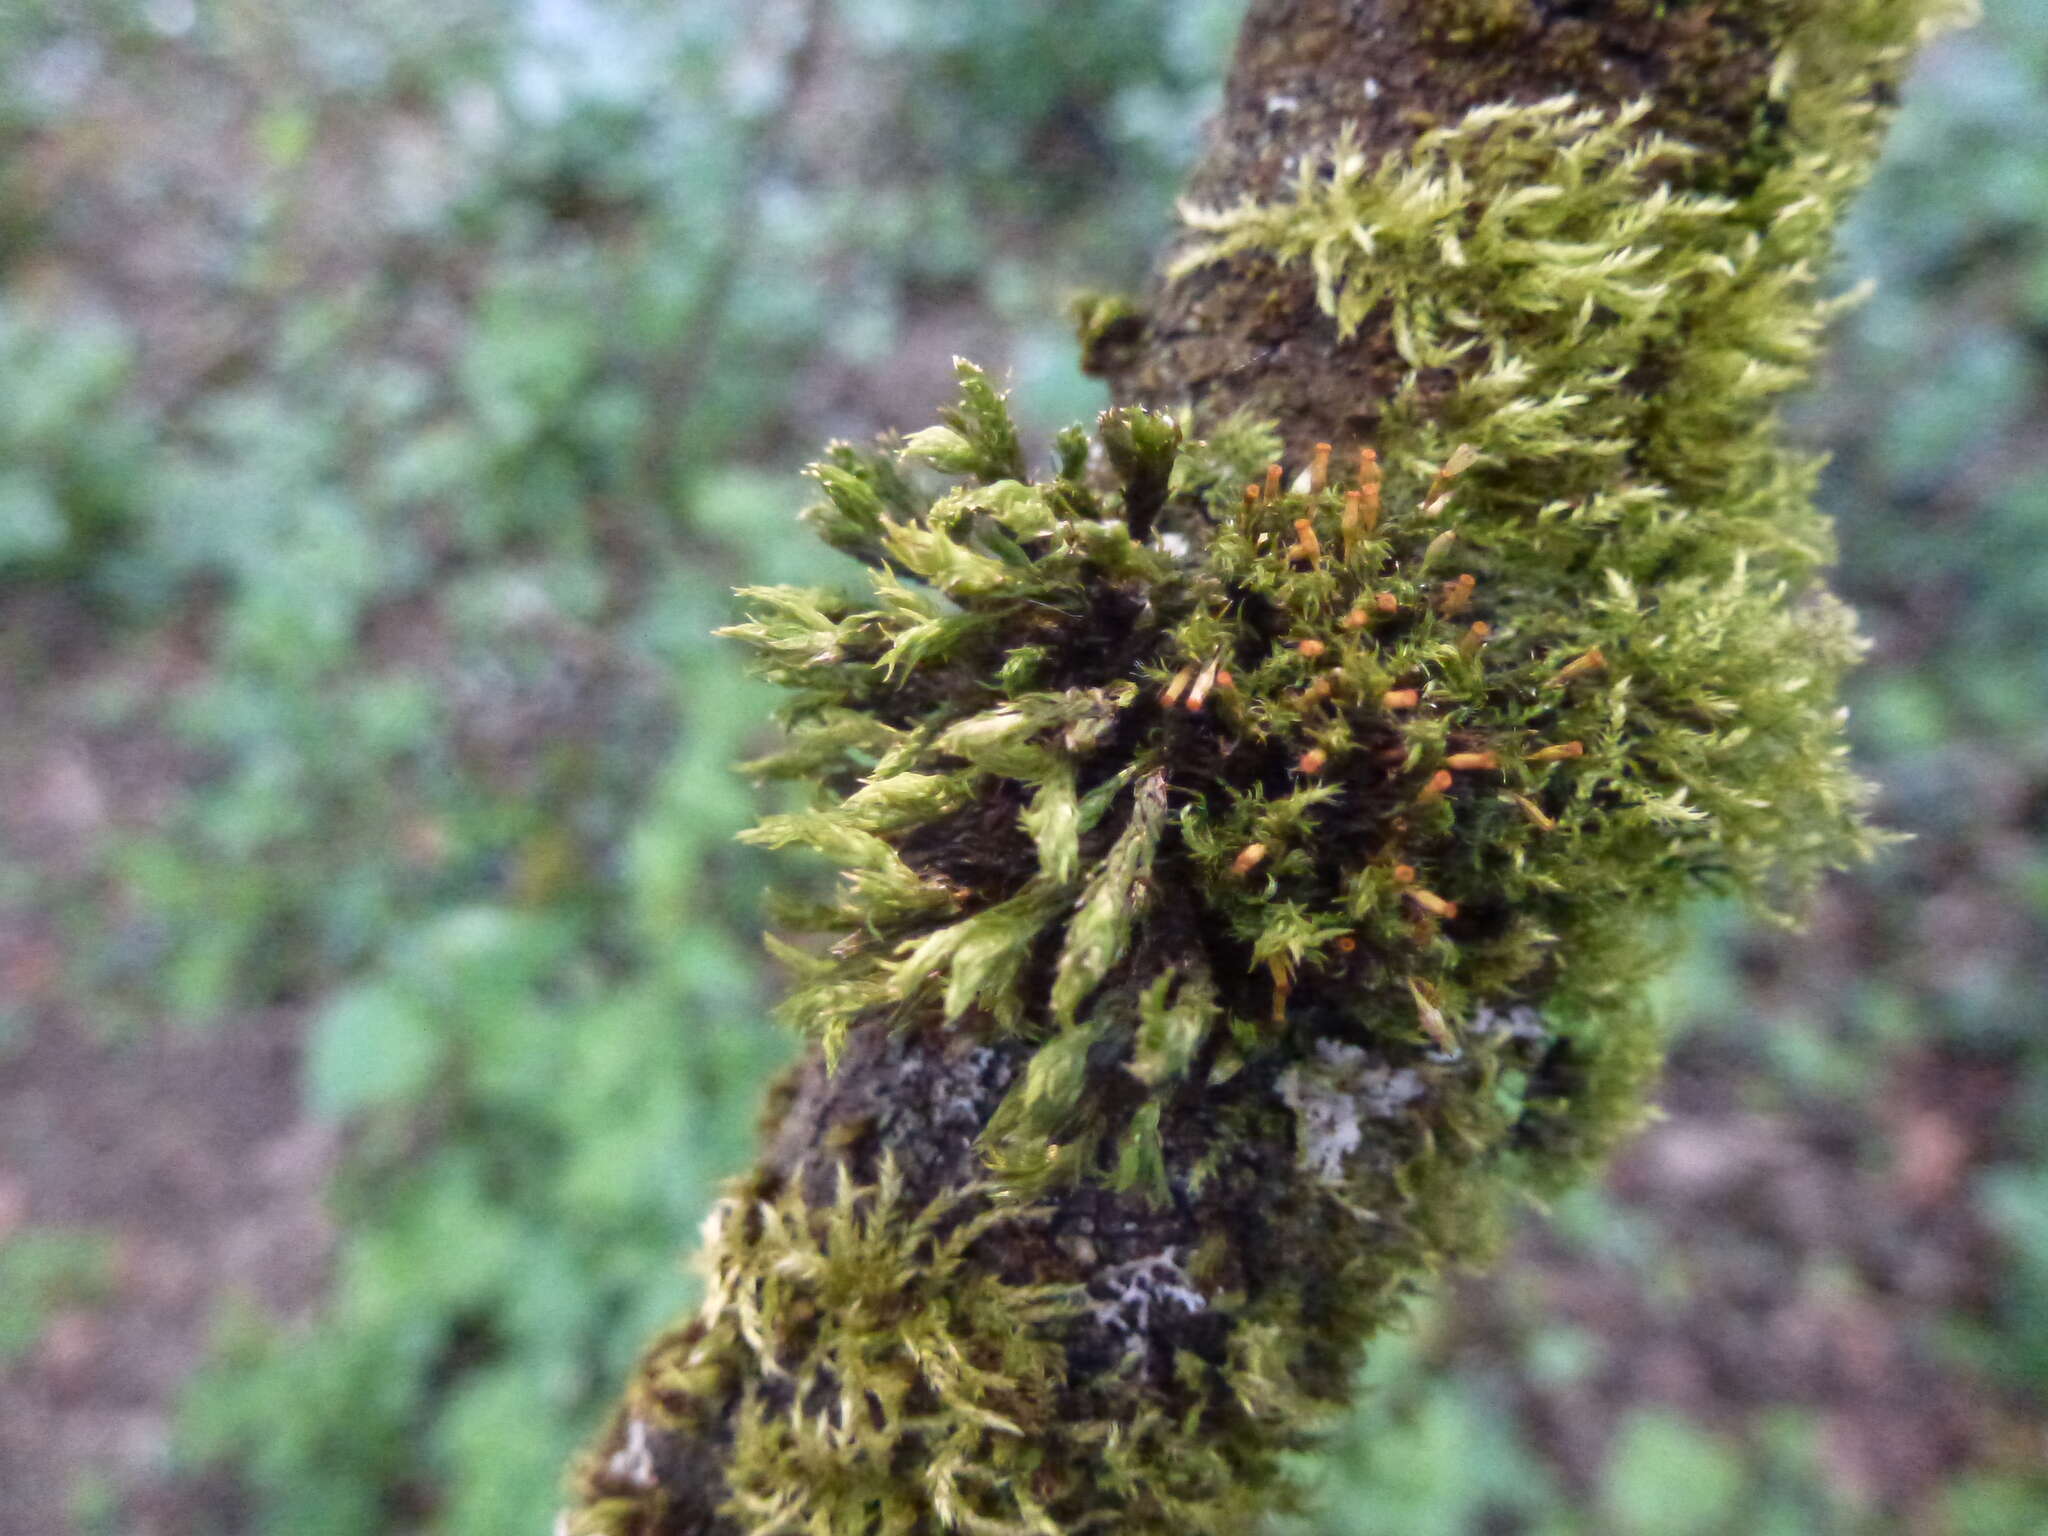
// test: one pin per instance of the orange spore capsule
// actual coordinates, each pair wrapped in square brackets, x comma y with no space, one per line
[1273,478]
[1319,468]
[1427,1014]
[1467,762]
[1357,618]
[1248,860]
[1386,602]
[1462,458]
[1283,987]
[1248,514]
[1368,467]
[1559,753]
[1432,903]
[1592,661]
[1433,791]
[1400,698]
[1404,874]
[1355,525]
[1313,760]
[1311,648]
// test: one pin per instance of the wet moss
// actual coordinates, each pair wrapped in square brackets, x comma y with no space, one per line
[1249,851]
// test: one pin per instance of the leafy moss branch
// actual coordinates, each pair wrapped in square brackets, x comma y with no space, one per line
[1252,849]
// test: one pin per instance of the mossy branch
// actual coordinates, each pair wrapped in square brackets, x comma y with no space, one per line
[1253,849]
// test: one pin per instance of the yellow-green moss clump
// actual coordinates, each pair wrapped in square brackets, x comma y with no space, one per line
[1291,765]
[1320,814]
[860,1370]
[840,1341]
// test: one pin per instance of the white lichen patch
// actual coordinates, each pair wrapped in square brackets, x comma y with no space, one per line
[633,1463]
[1127,1297]
[1332,1099]
[1520,1022]
[960,1095]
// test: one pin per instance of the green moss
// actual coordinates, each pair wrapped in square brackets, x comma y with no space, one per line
[1104,324]
[869,1373]
[1328,815]
[1384,780]
[1489,22]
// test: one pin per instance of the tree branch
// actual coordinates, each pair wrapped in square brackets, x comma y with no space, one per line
[1250,889]
[1238,336]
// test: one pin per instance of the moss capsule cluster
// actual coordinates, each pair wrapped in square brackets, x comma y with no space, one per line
[1178,758]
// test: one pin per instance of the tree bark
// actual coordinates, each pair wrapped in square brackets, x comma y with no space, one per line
[1199,1335]
[1240,336]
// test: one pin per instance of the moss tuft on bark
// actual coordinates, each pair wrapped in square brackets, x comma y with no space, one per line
[1253,846]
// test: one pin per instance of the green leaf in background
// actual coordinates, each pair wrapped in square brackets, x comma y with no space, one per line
[1668,1477]
[370,1046]
[1987,1504]
[31,523]
[44,1270]
[1428,1453]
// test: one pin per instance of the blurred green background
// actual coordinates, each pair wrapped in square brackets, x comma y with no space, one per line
[389,397]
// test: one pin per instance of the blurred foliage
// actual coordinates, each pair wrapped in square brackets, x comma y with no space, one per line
[71,449]
[43,1270]
[426,376]
[1941,482]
